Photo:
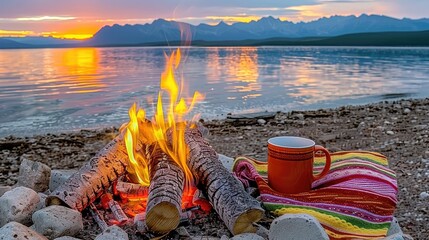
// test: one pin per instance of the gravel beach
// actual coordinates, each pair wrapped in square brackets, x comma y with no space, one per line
[398,129]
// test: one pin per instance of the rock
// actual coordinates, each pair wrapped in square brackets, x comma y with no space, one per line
[17,231]
[390,133]
[4,189]
[183,232]
[394,227]
[262,231]
[423,195]
[247,236]
[17,205]
[112,233]
[227,162]
[204,238]
[407,111]
[67,238]
[42,201]
[261,121]
[296,226]
[58,177]
[224,237]
[397,236]
[56,221]
[34,175]
[299,116]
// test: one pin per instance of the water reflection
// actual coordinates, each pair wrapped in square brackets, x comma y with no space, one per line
[62,89]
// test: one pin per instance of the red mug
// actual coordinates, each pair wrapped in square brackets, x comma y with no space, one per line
[290,164]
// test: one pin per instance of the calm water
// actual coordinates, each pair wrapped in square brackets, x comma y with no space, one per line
[51,90]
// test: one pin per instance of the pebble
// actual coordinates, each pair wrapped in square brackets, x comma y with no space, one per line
[297,226]
[56,221]
[17,205]
[261,121]
[390,133]
[17,231]
[394,227]
[67,238]
[112,233]
[423,195]
[407,111]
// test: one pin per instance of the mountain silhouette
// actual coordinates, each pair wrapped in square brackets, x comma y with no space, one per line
[162,30]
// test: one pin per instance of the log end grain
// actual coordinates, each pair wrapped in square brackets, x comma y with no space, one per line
[244,223]
[163,217]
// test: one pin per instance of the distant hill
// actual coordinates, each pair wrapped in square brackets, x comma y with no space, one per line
[5,43]
[43,40]
[268,27]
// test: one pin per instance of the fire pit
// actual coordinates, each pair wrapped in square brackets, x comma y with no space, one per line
[159,170]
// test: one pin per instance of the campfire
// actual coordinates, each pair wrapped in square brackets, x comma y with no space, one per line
[159,170]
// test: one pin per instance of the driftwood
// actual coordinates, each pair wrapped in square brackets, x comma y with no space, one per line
[93,178]
[234,205]
[165,192]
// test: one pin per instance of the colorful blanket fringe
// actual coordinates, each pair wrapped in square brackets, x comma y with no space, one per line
[356,199]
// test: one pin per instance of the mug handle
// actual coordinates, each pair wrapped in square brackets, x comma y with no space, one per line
[327,164]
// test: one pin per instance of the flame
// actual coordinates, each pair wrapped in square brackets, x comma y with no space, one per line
[170,118]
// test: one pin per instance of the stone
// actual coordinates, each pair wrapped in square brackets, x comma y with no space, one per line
[17,205]
[247,236]
[407,111]
[204,238]
[17,231]
[224,237]
[67,238]
[299,116]
[423,195]
[183,232]
[262,231]
[261,121]
[56,221]
[390,133]
[296,226]
[394,228]
[4,189]
[42,201]
[58,177]
[112,233]
[34,175]
[227,162]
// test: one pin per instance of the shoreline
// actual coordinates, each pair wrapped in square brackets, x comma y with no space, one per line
[397,129]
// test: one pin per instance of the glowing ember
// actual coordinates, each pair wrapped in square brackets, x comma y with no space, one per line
[173,119]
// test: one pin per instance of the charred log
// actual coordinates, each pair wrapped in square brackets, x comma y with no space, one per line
[234,205]
[165,192]
[93,178]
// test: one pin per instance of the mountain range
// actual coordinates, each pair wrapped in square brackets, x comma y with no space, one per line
[163,32]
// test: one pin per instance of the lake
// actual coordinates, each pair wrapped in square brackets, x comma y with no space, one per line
[54,90]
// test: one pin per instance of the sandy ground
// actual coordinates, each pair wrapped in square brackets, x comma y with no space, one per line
[399,130]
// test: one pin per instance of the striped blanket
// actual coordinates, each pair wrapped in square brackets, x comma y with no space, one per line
[356,199]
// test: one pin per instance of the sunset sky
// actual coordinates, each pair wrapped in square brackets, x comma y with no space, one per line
[82,18]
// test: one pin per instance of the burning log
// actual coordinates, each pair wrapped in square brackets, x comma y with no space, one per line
[234,205]
[93,178]
[132,191]
[165,192]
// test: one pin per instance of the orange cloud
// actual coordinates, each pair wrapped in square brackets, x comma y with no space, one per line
[15,33]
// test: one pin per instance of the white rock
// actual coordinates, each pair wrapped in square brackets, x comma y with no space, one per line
[67,238]
[4,189]
[224,237]
[227,162]
[423,195]
[247,236]
[56,221]
[17,205]
[296,226]
[262,121]
[112,233]
[17,231]
[58,177]
[300,116]
[390,133]
[394,228]
[407,111]
[34,175]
